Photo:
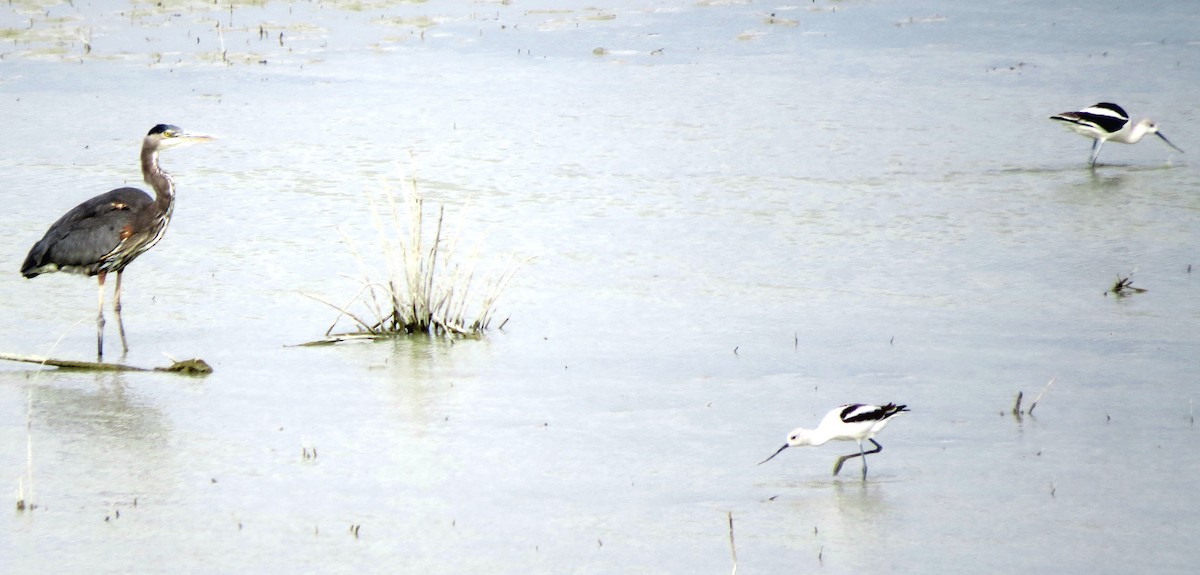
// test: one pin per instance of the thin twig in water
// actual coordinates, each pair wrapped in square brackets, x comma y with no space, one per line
[1039,397]
[373,302]
[343,312]
[1016,410]
[732,547]
[25,499]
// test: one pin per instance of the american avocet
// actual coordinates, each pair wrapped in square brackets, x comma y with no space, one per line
[854,422]
[1107,121]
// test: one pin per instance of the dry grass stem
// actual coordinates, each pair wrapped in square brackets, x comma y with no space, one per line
[1040,394]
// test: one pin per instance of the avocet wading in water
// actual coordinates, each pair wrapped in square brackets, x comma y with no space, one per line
[854,422]
[1107,121]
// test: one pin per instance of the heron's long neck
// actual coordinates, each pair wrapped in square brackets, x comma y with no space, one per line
[164,186]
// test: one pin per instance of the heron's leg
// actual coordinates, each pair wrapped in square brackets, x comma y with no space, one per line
[838,466]
[100,319]
[1096,145]
[117,310]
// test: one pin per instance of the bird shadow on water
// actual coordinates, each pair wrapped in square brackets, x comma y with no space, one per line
[835,507]
[1097,173]
[1105,180]
[846,483]
[1104,183]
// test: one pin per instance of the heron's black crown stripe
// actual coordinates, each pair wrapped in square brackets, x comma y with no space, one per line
[160,129]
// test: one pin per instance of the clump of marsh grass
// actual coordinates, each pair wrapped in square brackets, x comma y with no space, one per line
[430,284]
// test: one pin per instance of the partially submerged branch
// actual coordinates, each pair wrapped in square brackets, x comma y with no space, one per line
[187,366]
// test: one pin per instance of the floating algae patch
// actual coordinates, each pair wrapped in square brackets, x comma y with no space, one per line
[372,6]
[586,15]
[407,21]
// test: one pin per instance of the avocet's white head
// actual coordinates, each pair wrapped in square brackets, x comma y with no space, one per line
[1147,126]
[799,437]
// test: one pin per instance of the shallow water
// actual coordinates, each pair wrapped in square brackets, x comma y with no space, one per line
[737,220]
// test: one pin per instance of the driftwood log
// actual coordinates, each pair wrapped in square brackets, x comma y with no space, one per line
[187,366]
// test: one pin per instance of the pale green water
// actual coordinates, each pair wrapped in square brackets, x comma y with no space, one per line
[732,235]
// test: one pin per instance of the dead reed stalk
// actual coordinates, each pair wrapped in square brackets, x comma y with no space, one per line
[732,547]
[1040,394]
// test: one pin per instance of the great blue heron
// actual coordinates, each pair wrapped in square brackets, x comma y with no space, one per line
[107,232]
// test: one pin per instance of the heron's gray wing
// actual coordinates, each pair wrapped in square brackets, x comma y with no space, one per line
[85,234]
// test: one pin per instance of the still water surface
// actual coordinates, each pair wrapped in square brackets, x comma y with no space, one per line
[741,215]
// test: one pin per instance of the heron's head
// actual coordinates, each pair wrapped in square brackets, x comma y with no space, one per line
[165,136]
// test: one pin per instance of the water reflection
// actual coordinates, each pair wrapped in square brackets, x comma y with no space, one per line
[832,516]
[418,384]
[92,436]
[1106,182]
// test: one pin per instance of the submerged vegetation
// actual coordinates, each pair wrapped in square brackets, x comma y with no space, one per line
[1124,286]
[429,284]
[1019,413]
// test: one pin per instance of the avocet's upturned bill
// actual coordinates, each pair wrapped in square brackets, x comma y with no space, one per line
[1107,121]
[854,422]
